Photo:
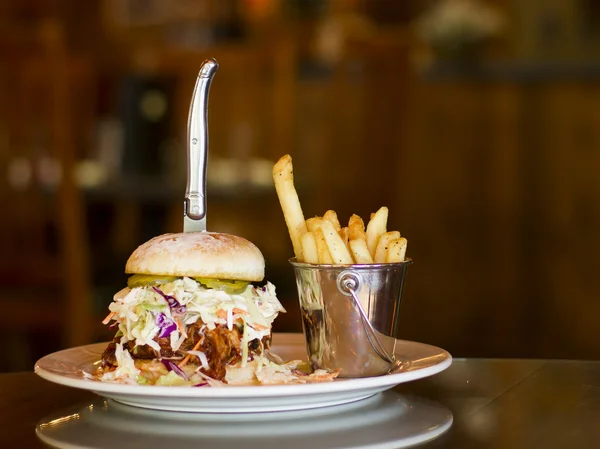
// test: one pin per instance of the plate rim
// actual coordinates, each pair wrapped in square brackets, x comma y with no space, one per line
[246,391]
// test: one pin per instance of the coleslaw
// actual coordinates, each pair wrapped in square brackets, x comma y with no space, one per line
[145,314]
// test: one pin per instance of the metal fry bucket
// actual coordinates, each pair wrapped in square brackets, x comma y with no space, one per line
[350,315]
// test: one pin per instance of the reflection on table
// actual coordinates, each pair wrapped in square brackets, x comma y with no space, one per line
[496,404]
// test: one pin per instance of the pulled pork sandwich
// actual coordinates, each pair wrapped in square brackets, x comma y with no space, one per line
[191,316]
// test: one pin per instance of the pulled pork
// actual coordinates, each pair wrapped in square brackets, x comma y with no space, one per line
[221,346]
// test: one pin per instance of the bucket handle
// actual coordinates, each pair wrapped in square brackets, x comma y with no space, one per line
[348,283]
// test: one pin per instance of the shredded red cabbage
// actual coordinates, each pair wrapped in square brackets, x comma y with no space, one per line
[173,303]
[165,324]
[173,367]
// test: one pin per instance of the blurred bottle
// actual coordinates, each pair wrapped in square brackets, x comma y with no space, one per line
[109,149]
[146,111]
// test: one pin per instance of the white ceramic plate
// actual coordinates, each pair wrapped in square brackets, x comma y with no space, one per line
[418,360]
[386,420]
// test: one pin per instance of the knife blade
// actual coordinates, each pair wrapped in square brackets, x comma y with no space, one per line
[194,206]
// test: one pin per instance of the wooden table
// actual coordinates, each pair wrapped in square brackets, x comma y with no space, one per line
[495,404]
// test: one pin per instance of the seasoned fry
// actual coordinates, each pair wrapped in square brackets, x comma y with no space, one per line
[322,249]
[396,250]
[283,177]
[337,248]
[312,224]
[309,248]
[356,228]
[383,245]
[331,217]
[360,252]
[376,228]
[345,236]
[322,240]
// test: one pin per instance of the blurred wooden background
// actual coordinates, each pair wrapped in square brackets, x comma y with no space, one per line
[488,169]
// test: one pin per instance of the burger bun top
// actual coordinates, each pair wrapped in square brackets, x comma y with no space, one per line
[199,254]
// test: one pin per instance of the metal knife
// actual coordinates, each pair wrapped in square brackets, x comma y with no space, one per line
[194,206]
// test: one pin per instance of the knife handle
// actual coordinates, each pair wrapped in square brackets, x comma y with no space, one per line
[197,142]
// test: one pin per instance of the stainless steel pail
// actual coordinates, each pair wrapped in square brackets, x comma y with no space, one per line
[350,315]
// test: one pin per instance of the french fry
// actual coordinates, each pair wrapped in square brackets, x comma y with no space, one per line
[356,228]
[376,228]
[384,244]
[331,217]
[322,249]
[396,250]
[337,248]
[283,177]
[322,240]
[312,224]
[309,248]
[360,252]
[344,234]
